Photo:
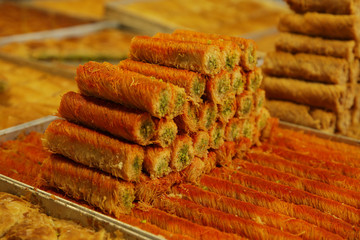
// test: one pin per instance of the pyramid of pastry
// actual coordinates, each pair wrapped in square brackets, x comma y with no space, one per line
[176,98]
[312,77]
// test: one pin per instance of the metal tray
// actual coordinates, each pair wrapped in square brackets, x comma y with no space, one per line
[63,209]
[56,206]
[75,31]
[37,125]
[318,133]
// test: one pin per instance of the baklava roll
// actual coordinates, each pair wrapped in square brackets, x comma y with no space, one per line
[262,118]
[147,190]
[132,125]
[231,50]
[343,121]
[248,128]
[254,79]
[344,7]
[217,133]
[182,152]
[209,161]
[237,80]
[302,115]
[177,101]
[248,47]
[228,109]
[198,57]
[226,153]
[344,27]
[297,43]
[156,161]
[192,82]
[244,104]
[354,71]
[201,141]
[189,121]
[218,86]
[356,107]
[95,149]
[208,114]
[128,88]
[166,131]
[355,116]
[331,97]
[306,66]
[259,100]
[194,171]
[350,96]
[233,130]
[357,49]
[109,194]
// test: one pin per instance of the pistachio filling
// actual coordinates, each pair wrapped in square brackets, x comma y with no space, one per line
[238,83]
[137,164]
[212,63]
[260,102]
[210,117]
[255,82]
[163,166]
[234,131]
[247,130]
[167,136]
[192,114]
[179,102]
[246,106]
[183,155]
[217,136]
[164,104]
[227,107]
[127,199]
[223,85]
[262,122]
[230,61]
[147,129]
[202,145]
[198,88]
[251,57]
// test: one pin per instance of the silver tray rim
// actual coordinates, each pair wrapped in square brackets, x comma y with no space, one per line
[79,212]
[55,206]
[321,134]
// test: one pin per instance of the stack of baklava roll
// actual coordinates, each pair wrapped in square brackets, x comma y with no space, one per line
[221,80]
[311,78]
[174,99]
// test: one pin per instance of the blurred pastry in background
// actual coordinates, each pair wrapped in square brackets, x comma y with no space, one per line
[4,85]
[79,8]
[20,19]
[230,17]
[104,45]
